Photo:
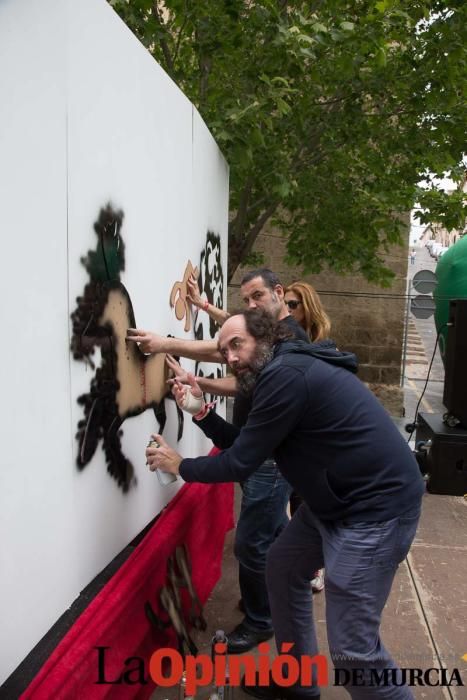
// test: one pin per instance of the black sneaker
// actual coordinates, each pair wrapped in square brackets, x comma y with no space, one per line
[243,638]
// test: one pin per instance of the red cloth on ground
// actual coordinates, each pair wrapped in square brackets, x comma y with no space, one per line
[199,516]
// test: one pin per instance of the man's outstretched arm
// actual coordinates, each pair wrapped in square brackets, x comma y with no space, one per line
[201,350]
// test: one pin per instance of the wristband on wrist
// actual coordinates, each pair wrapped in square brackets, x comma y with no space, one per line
[204,411]
[206,305]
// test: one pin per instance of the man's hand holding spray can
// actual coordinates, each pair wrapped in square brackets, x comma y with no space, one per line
[164,478]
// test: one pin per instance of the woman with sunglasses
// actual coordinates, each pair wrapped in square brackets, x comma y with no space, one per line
[305,306]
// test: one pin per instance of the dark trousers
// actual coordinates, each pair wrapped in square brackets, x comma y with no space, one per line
[361,560]
[262,517]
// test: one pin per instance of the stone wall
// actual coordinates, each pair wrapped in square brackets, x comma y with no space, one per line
[365,318]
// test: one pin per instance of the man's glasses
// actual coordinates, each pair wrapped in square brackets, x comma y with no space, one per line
[293,303]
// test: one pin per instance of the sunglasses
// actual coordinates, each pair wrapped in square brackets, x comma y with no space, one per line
[293,303]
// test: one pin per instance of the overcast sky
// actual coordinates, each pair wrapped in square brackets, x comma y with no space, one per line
[417,229]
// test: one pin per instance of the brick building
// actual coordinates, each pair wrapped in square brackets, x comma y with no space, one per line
[365,318]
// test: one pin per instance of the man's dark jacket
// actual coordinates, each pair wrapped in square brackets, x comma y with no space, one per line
[332,440]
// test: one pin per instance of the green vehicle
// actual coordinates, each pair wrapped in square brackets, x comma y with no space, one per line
[451,274]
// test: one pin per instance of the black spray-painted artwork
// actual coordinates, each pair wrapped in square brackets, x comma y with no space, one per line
[211,284]
[126,382]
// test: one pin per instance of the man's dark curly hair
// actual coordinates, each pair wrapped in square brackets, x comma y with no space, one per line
[263,327]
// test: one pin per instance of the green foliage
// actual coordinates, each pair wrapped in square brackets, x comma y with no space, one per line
[254,259]
[329,114]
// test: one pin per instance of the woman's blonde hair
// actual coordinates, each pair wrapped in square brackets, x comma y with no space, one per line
[316,322]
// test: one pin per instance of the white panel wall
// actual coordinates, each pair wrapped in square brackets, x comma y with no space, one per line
[87,117]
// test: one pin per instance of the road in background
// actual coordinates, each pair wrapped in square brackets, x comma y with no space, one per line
[421,339]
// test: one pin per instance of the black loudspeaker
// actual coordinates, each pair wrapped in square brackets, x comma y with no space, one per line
[455,377]
[441,453]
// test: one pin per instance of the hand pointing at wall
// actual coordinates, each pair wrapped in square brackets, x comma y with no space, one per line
[147,341]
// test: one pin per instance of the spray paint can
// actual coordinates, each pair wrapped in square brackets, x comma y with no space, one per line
[164,478]
[221,692]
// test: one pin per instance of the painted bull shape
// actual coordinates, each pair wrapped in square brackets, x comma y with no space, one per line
[127,382]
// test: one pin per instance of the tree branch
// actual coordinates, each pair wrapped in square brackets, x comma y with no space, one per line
[344,98]
[179,37]
[242,211]
[254,231]
[204,63]
[205,69]
[239,249]
[256,204]
[164,45]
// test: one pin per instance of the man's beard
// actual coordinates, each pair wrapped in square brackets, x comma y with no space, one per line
[246,379]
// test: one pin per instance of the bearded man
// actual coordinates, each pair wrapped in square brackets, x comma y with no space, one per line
[361,487]
[265,493]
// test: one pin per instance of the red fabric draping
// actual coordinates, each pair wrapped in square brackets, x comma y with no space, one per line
[199,516]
